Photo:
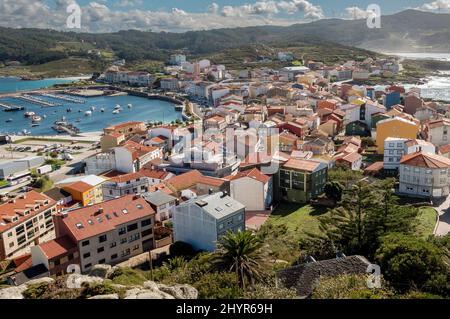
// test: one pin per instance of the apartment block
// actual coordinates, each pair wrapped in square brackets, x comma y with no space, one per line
[25,221]
[106,233]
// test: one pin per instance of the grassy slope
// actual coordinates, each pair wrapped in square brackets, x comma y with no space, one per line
[426,221]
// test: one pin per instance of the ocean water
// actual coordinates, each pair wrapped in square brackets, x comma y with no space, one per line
[143,110]
[11,84]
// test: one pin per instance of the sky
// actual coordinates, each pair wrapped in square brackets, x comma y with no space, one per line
[184,15]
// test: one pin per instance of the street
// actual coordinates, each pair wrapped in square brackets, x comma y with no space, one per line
[443,227]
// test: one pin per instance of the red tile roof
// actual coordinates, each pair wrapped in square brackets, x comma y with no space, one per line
[253,173]
[126,209]
[21,204]
[185,181]
[426,160]
[126,177]
[444,149]
[78,187]
[58,247]
[302,165]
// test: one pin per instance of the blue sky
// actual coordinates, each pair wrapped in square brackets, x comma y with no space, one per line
[183,15]
[329,6]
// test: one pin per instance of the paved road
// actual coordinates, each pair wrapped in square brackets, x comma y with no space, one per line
[65,171]
[443,227]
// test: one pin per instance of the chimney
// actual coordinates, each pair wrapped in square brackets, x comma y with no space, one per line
[210,191]
[224,194]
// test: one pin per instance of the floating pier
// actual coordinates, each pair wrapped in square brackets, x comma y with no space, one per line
[11,108]
[36,100]
[65,127]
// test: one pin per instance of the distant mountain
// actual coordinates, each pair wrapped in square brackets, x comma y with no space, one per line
[405,31]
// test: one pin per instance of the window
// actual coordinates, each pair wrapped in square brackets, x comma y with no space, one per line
[41,217]
[134,238]
[85,243]
[100,250]
[112,245]
[86,255]
[10,234]
[240,217]
[88,265]
[101,261]
[146,222]
[146,232]
[113,256]
[20,230]
[135,247]
[11,245]
[102,239]
[57,262]
[29,224]
[21,239]
[123,241]
[122,230]
[132,227]
[126,252]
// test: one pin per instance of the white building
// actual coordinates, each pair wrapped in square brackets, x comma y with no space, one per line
[170,84]
[201,222]
[261,194]
[177,59]
[396,147]
[438,132]
[424,175]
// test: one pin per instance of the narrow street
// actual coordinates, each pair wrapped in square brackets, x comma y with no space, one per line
[443,227]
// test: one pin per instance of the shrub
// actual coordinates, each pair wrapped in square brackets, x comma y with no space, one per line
[127,277]
[96,289]
[180,248]
[218,285]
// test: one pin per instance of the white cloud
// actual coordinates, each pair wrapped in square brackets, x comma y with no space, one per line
[357,13]
[439,5]
[101,16]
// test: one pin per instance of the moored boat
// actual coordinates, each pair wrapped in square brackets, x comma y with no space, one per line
[29,114]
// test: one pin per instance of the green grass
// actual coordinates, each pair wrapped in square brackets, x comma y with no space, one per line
[286,227]
[3,183]
[426,221]
[298,219]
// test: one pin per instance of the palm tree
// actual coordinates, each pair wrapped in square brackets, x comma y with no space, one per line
[240,253]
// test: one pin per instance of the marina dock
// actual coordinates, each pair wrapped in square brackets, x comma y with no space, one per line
[36,100]
[11,108]
[70,99]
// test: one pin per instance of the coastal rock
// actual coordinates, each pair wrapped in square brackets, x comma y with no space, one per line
[180,291]
[13,292]
[45,280]
[111,296]
[151,285]
[75,281]
[137,293]
[102,271]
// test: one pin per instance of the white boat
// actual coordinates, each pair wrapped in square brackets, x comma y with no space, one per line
[88,113]
[9,120]
[130,106]
[116,112]
[44,116]
[102,110]
[117,107]
[29,114]
[92,108]
[36,118]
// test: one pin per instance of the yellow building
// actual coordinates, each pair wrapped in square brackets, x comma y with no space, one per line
[109,141]
[84,193]
[395,127]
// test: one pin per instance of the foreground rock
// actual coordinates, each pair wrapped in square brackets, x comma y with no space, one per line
[97,285]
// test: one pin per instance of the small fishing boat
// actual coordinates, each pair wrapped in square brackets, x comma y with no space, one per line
[36,118]
[29,114]
[130,106]
[25,132]
[92,108]
[117,107]
[69,110]
[35,124]
[9,120]
[79,111]
[44,116]
[116,111]
[88,113]
[102,110]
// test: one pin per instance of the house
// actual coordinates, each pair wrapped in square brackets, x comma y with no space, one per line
[357,128]
[352,161]
[177,59]
[25,220]
[111,140]
[60,196]
[412,103]
[128,129]
[170,84]
[252,188]
[132,183]
[162,204]
[395,148]
[318,145]
[395,127]
[438,131]
[201,222]
[86,190]
[444,150]
[424,175]
[302,180]
[131,156]
[105,233]
[215,122]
